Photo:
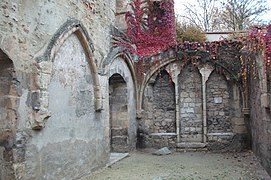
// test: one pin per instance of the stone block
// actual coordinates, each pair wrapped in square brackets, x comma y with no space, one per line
[46,67]
[240,129]
[119,132]
[188,100]
[162,151]
[184,94]
[265,102]
[189,110]
[221,113]
[192,105]
[45,80]
[238,121]
[120,140]
[218,100]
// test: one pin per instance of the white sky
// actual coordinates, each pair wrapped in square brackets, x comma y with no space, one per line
[179,8]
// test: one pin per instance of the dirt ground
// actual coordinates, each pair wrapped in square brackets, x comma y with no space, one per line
[142,165]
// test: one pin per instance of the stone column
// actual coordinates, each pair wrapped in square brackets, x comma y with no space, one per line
[175,69]
[177,106]
[205,72]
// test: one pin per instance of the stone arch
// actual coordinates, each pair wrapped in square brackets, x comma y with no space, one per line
[114,54]
[229,74]
[148,76]
[9,100]
[119,66]
[158,122]
[164,104]
[119,53]
[75,132]
[44,65]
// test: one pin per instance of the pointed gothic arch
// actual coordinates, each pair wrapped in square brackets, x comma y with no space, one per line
[44,65]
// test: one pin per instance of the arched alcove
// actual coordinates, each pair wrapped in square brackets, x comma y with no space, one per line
[158,122]
[118,105]
[218,104]
[70,91]
[164,104]
[190,103]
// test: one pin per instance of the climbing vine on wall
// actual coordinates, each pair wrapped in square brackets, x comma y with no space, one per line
[151,31]
[150,26]
[258,40]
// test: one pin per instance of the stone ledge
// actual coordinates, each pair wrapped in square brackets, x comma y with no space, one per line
[191,149]
[220,134]
[163,134]
[191,145]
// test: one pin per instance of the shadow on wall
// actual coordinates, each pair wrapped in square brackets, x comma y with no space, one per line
[8,115]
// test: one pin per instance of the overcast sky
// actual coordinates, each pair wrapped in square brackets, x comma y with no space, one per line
[179,8]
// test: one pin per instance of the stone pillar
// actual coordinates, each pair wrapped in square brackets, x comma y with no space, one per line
[175,69]
[175,80]
[205,72]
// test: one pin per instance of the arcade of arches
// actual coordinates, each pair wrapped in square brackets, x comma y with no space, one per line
[70,95]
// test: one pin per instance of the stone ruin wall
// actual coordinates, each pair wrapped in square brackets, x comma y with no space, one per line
[159,110]
[259,118]
[26,30]
[60,99]
[224,111]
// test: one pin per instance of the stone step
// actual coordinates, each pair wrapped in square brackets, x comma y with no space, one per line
[191,146]
[191,150]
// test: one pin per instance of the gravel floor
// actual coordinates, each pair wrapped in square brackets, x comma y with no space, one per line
[142,165]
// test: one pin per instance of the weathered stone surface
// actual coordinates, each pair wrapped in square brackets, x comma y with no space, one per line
[260,119]
[73,133]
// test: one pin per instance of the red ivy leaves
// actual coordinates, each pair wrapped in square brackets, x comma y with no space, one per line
[260,37]
[151,26]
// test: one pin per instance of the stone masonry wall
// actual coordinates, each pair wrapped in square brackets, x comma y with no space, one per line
[190,101]
[158,125]
[27,29]
[218,105]
[164,105]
